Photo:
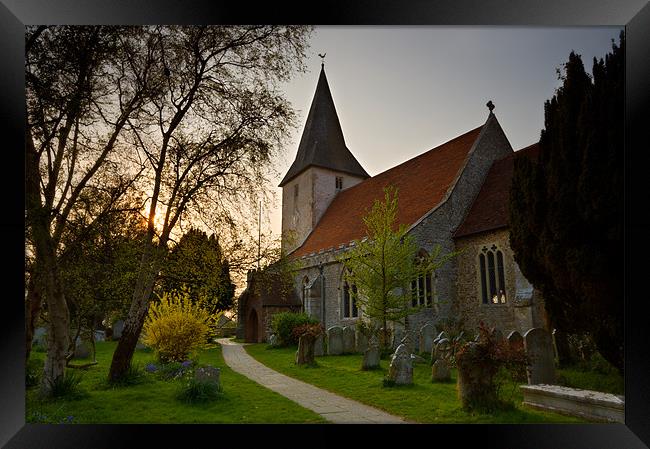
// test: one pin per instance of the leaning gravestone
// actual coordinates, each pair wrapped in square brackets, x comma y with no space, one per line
[398,335]
[539,348]
[335,340]
[361,341]
[440,371]
[515,340]
[81,350]
[442,349]
[426,338]
[348,340]
[305,352]
[318,346]
[400,369]
[371,355]
[118,328]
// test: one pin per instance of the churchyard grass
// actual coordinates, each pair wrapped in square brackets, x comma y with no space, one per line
[423,402]
[576,377]
[154,400]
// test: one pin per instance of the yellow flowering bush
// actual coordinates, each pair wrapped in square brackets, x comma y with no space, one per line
[176,326]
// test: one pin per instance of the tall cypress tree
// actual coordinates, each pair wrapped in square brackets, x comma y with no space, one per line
[566,209]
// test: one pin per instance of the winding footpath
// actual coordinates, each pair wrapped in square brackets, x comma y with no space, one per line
[334,408]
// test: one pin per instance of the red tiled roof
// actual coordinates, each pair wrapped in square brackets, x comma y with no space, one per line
[422,183]
[490,209]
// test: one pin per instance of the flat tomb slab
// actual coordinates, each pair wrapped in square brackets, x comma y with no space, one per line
[591,405]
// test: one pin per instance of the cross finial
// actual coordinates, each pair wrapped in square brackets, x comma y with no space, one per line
[490,105]
[322,59]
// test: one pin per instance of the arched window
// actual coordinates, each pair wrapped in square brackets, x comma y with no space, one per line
[493,284]
[306,305]
[423,287]
[350,309]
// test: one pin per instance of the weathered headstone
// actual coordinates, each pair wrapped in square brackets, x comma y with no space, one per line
[441,335]
[208,374]
[335,340]
[118,328]
[497,335]
[361,341]
[100,335]
[440,371]
[371,355]
[40,336]
[305,352]
[515,340]
[273,340]
[400,369]
[539,348]
[398,335]
[318,346]
[442,349]
[82,350]
[348,340]
[426,338]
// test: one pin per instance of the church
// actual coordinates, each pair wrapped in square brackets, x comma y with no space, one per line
[455,195]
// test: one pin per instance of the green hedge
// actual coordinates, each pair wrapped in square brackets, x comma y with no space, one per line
[283,324]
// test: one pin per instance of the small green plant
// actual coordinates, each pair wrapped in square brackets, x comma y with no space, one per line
[33,372]
[388,383]
[284,323]
[67,386]
[196,391]
[134,375]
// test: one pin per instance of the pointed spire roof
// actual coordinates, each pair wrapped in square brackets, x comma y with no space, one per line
[322,143]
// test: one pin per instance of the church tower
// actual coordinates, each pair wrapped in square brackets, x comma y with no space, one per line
[323,167]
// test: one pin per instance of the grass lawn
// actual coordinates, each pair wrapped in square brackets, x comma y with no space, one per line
[424,401]
[577,377]
[154,400]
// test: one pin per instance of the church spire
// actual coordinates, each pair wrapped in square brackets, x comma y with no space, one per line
[322,143]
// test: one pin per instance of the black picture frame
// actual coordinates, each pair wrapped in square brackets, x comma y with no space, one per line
[633,14]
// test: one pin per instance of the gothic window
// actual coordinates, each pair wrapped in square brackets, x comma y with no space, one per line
[492,278]
[295,197]
[339,183]
[350,309]
[423,292]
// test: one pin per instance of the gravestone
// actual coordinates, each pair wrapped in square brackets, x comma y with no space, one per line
[305,352]
[515,340]
[40,336]
[348,340]
[440,371]
[398,335]
[361,341]
[335,340]
[82,349]
[100,335]
[208,374]
[417,359]
[497,335]
[442,349]
[539,348]
[371,355]
[273,340]
[426,338]
[318,346]
[118,328]
[400,369]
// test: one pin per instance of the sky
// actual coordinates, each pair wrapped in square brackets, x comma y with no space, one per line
[402,90]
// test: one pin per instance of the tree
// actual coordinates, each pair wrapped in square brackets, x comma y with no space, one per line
[566,209]
[79,96]
[383,264]
[208,137]
[198,263]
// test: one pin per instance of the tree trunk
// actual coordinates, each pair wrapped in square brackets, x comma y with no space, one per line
[123,354]
[32,310]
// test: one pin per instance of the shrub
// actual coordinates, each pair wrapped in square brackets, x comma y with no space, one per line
[173,370]
[284,323]
[484,367]
[33,372]
[66,386]
[194,391]
[176,326]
